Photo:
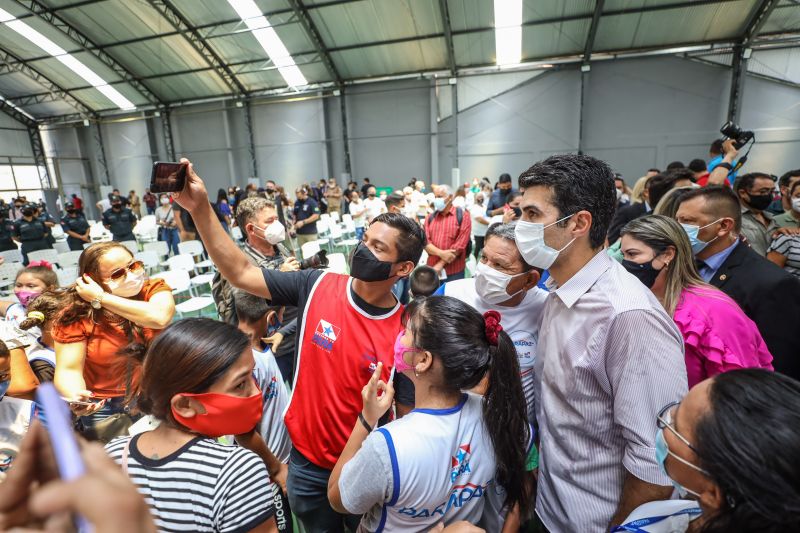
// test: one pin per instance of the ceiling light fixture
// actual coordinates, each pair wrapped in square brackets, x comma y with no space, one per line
[68,60]
[266,36]
[508,31]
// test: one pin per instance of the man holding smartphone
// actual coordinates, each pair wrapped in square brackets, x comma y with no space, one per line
[347,326]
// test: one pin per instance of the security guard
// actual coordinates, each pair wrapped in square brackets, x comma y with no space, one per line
[48,221]
[76,227]
[31,232]
[6,231]
[119,220]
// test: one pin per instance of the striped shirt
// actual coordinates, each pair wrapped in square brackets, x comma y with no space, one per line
[203,486]
[608,359]
[789,247]
[442,230]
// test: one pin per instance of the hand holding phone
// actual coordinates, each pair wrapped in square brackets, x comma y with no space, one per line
[84,403]
[168,177]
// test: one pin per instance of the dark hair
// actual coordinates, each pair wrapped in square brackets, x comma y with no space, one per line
[222,195]
[43,273]
[504,178]
[394,199]
[656,170]
[784,180]
[4,351]
[720,202]
[578,183]
[716,147]
[48,303]
[697,165]
[513,195]
[506,232]
[746,181]
[675,165]
[423,281]
[793,187]
[657,187]
[187,356]
[411,240]
[749,443]
[249,307]
[455,333]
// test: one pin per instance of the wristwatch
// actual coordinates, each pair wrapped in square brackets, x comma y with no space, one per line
[97,303]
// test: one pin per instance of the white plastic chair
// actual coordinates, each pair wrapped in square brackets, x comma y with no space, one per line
[310,248]
[335,216]
[58,233]
[49,255]
[159,247]
[181,262]
[347,218]
[8,275]
[133,246]
[195,249]
[179,282]
[67,276]
[236,233]
[146,229]
[12,256]
[337,263]
[149,258]
[69,259]
[61,247]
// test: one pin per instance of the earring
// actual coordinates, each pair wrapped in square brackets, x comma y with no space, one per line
[416,374]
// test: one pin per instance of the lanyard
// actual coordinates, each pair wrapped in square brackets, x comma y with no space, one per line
[637,525]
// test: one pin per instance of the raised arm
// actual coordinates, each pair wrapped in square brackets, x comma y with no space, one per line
[229,259]
[156,313]
[719,176]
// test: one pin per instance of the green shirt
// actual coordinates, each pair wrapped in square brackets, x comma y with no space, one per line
[786,220]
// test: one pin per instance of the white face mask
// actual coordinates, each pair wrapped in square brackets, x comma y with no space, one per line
[492,285]
[274,233]
[530,241]
[164,201]
[130,286]
[796,204]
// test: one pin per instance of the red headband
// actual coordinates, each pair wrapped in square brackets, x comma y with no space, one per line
[41,263]
[493,328]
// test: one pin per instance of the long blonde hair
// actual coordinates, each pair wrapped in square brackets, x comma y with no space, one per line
[638,190]
[659,233]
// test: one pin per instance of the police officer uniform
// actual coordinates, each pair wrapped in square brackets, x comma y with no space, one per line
[120,222]
[31,233]
[6,231]
[44,217]
[77,224]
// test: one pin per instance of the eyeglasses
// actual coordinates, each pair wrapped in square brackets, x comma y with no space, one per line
[664,420]
[134,268]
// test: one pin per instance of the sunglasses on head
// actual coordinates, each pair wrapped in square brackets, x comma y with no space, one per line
[119,273]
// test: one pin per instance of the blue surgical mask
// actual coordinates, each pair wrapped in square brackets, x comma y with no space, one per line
[662,451]
[438,204]
[4,388]
[692,231]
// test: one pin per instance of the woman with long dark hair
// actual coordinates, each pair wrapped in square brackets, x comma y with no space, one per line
[437,463]
[733,443]
[197,381]
[223,209]
[111,313]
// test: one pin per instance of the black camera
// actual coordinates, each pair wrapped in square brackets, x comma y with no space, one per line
[318,260]
[732,131]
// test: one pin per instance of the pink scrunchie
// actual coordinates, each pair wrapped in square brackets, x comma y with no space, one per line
[41,263]
[493,327]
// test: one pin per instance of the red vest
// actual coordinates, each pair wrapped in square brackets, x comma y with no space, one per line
[339,349]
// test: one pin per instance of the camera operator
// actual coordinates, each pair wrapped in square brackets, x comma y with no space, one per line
[719,171]
[258,220]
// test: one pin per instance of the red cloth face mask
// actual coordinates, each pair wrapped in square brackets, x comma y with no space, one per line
[225,414]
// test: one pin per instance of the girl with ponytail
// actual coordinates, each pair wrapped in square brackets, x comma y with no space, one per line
[439,462]
[38,323]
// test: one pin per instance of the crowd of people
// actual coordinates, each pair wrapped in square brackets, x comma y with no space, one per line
[570,354]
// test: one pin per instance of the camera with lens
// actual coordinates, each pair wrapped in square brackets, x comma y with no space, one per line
[318,260]
[732,131]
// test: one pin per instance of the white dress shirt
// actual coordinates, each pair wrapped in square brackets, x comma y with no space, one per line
[608,359]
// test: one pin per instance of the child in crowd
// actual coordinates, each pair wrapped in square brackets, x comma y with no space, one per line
[31,281]
[423,281]
[15,415]
[197,381]
[257,320]
[40,350]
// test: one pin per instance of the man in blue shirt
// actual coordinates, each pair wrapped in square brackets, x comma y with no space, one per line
[717,154]
[498,198]
[306,214]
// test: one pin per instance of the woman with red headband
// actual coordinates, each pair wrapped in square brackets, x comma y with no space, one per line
[440,462]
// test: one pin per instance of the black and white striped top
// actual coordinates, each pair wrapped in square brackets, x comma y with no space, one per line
[203,486]
[789,247]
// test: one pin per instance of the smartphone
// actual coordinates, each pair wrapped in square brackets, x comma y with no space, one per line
[58,422]
[83,403]
[167,177]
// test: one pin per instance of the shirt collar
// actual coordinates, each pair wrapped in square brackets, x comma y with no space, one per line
[746,210]
[582,281]
[716,260]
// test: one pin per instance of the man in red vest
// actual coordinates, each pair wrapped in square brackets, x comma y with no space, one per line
[347,325]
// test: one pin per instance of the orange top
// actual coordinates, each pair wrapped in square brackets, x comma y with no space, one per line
[104,369]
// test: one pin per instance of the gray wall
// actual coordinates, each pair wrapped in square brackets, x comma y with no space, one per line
[14,141]
[638,113]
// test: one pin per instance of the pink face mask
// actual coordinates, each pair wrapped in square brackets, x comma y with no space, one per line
[400,364]
[25,297]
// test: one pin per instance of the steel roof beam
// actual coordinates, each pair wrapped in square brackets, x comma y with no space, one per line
[12,63]
[53,18]
[756,21]
[303,17]
[598,12]
[448,36]
[180,23]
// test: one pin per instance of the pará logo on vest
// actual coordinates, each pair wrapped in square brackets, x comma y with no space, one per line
[325,335]
[460,463]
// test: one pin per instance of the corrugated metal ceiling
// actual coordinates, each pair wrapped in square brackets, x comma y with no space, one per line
[362,38]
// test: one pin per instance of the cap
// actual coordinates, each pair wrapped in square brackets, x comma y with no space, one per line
[115,198]
[69,205]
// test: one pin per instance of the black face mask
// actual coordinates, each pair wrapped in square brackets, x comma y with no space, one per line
[517,211]
[759,201]
[116,206]
[643,271]
[27,212]
[366,267]
[70,211]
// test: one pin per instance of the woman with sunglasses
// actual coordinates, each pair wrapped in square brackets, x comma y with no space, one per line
[733,444]
[111,313]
